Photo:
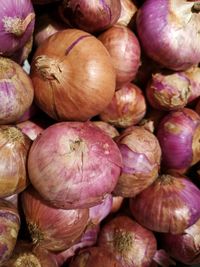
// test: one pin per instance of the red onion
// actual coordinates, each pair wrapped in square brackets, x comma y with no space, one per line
[16,91]
[169,205]
[107,128]
[85,160]
[128,11]
[94,256]
[161,258]
[178,135]
[123,46]
[90,16]
[13,157]
[127,107]
[141,155]
[31,129]
[66,90]
[117,203]
[162,27]
[130,243]
[16,24]
[68,225]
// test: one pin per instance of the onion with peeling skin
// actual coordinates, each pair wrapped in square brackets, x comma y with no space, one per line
[124,49]
[68,225]
[163,38]
[169,205]
[179,137]
[107,128]
[128,107]
[130,243]
[141,156]
[128,11]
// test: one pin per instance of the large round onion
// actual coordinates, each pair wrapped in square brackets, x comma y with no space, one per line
[66,90]
[141,156]
[162,27]
[169,205]
[91,16]
[179,137]
[51,228]
[14,148]
[124,48]
[85,160]
[16,91]
[130,243]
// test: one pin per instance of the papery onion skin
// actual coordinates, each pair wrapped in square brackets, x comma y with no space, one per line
[128,11]
[30,128]
[169,205]
[16,91]
[85,160]
[141,156]
[94,256]
[91,16]
[66,90]
[10,224]
[13,157]
[14,199]
[163,38]
[128,107]
[107,128]
[51,228]
[130,243]
[185,247]
[124,49]
[178,135]
[17,25]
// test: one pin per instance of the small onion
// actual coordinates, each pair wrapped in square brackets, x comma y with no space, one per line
[162,27]
[128,11]
[31,129]
[179,137]
[117,203]
[9,224]
[13,157]
[85,160]
[91,16]
[107,128]
[128,107]
[130,243]
[141,156]
[51,228]
[184,247]
[16,91]
[16,24]
[94,256]
[66,90]
[169,205]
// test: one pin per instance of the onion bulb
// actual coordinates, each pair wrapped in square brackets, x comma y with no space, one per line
[107,128]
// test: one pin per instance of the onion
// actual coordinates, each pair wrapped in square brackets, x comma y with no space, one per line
[31,129]
[130,243]
[179,137]
[184,247]
[9,224]
[197,108]
[85,160]
[16,24]
[68,225]
[163,39]
[30,113]
[16,91]
[141,156]
[127,107]
[169,205]
[13,199]
[91,16]
[161,258]
[107,128]
[94,256]
[13,157]
[66,90]
[128,12]
[117,203]
[124,49]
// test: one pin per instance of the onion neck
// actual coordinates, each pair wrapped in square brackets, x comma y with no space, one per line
[123,241]
[166,179]
[36,235]
[28,260]
[12,134]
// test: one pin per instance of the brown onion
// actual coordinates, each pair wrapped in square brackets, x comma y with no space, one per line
[66,90]
[130,243]
[128,11]
[141,156]
[13,157]
[107,128]
[51,228]
[85,160]
[16,91]
[127,107]
[9,225]
[124,48]
[169,205]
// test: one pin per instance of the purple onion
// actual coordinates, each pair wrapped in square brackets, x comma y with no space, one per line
[17,19]
[107,128]
[179,134]
[162,28]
